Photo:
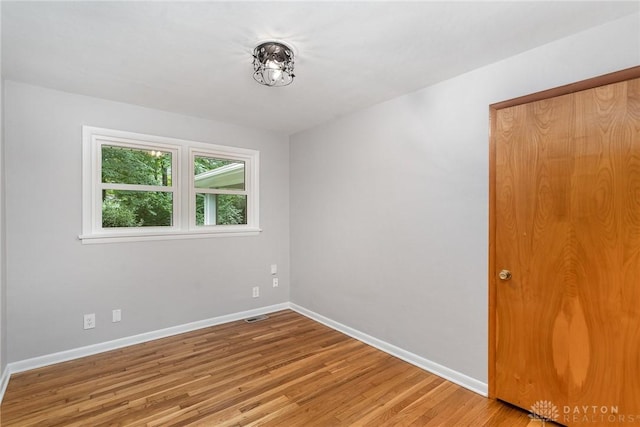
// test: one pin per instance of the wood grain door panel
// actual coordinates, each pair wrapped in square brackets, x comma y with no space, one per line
[567,212]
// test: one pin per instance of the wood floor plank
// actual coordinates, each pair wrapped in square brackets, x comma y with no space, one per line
[284,371]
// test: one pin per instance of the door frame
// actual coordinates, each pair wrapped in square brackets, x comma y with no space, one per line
[603,80]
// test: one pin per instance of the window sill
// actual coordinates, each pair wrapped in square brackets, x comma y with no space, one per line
[141,237]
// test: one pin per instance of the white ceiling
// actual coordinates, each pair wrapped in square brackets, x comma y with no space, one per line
[195,57]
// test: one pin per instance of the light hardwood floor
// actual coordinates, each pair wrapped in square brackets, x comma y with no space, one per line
[284,371]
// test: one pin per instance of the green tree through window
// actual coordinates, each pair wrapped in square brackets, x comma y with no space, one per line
[134,208]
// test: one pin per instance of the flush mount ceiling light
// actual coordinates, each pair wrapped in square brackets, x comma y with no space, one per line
[273,63]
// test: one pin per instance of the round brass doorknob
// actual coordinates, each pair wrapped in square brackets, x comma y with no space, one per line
[505,275]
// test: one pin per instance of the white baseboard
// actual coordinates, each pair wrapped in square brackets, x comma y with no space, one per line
[63,356]
[4,381]
[76,353]
[419,361]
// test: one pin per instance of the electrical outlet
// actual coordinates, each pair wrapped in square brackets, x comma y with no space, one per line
[274,268]
[90,321]
[275,282]
[116,315]
[256,291]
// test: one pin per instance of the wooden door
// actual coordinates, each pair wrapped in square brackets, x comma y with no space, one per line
[567,227]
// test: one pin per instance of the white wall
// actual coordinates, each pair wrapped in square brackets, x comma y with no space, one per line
[389,206]
[3,281]
[53,279]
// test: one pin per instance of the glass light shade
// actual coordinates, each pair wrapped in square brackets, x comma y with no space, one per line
[273,64]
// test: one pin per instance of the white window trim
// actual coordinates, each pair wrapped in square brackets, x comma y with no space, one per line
[183,187]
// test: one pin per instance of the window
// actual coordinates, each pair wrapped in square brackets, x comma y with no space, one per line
[219,186]
[137,186]
[146,187]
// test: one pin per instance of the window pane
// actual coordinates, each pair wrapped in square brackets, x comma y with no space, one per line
[218,173]
[123,165]
[220,209]
[136,208]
